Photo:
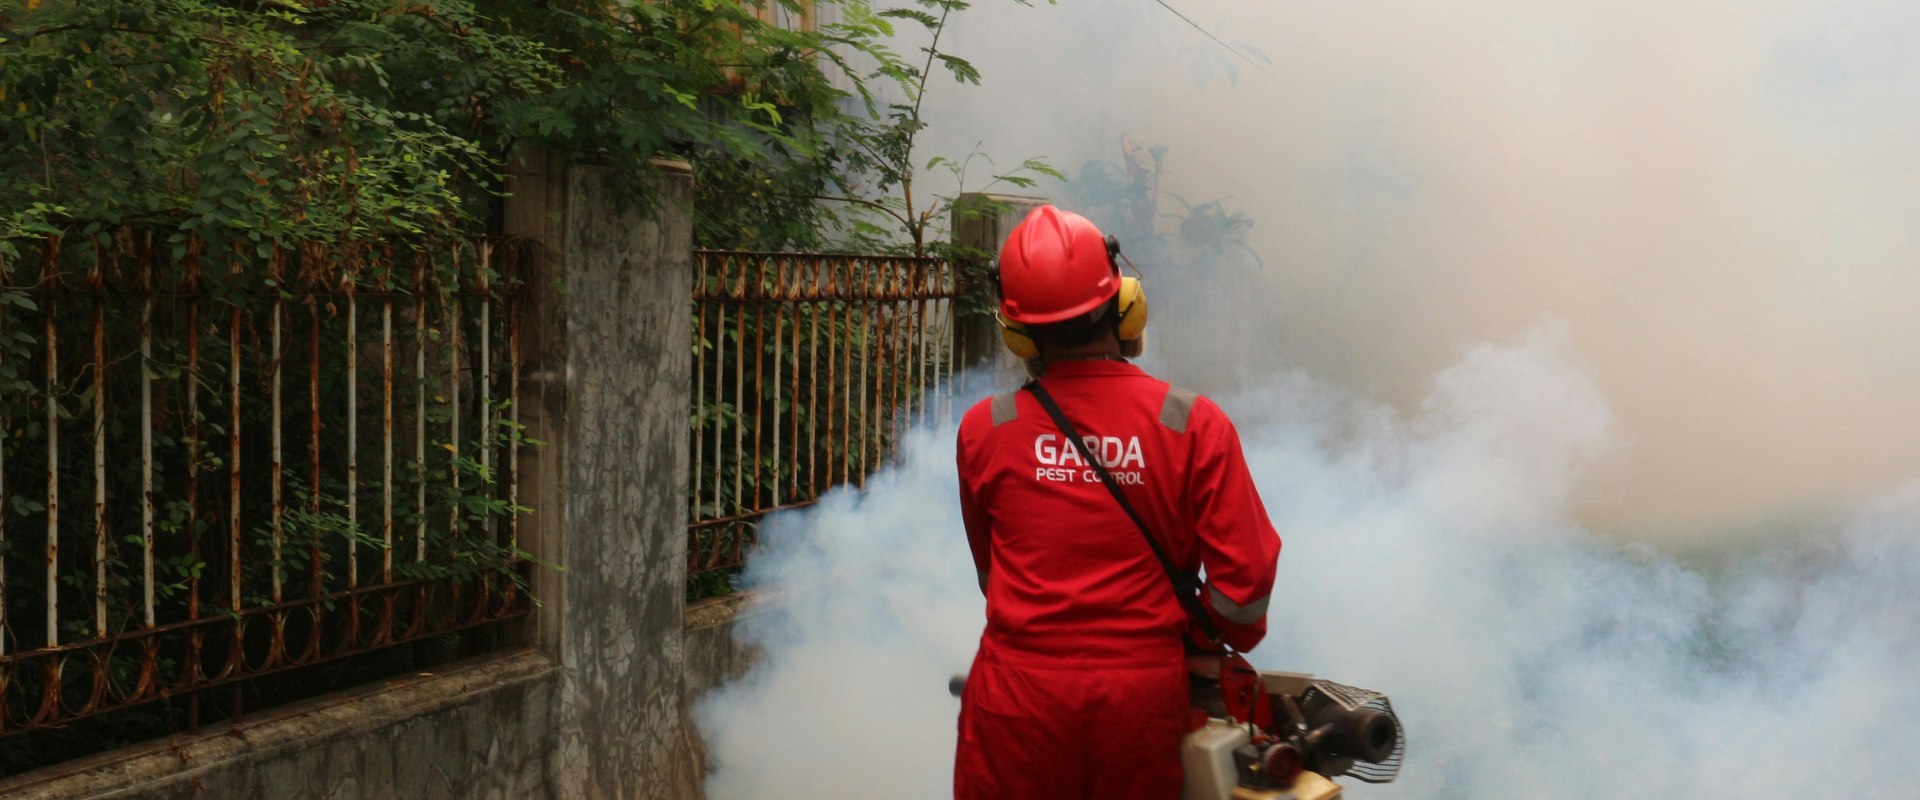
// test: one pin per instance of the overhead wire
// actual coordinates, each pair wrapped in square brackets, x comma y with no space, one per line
[1216,40]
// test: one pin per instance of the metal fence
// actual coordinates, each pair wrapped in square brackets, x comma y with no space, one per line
[280,458]
[806,367]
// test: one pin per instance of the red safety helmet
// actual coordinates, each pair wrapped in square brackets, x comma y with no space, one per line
[1055,266]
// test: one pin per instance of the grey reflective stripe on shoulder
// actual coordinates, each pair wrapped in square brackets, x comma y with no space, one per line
[1006,408]
[1176,408]
[1234,612]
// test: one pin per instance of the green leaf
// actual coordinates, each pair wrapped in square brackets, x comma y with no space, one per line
[926,20]
[963,71]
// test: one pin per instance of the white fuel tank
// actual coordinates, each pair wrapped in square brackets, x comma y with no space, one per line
[1207,757]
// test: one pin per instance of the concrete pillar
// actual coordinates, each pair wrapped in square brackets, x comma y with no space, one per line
[982,221]
[536,213]
[608,381]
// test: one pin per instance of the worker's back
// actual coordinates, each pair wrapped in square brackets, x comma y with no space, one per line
[1066,572]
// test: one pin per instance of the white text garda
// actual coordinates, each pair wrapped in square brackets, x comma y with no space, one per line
[1114,453]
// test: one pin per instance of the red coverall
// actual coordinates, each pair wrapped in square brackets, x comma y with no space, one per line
[1079,688]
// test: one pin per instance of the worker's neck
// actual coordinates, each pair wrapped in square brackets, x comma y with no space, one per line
[1105,347]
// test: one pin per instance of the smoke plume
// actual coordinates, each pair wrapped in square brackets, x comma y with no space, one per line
[1717,196]
[1431,556]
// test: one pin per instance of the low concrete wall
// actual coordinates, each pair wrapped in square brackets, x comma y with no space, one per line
[483,729]
[713,655]
[473,729]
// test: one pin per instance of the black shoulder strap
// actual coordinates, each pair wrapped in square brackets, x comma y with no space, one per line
[1185,587]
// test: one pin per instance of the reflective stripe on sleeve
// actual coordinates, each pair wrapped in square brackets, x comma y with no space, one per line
[1234,612]
[1175,409]
[1006,408]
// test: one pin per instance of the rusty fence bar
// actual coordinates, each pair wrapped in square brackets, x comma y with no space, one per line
[151,387]
[806,368]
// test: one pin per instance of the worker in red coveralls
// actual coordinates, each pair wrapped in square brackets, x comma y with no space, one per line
[1080,687]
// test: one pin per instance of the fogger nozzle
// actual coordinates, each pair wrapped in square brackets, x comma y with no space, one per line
[957,684]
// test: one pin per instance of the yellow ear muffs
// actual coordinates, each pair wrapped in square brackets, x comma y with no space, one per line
[1132,328]
[1017,341]
[1133,316]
